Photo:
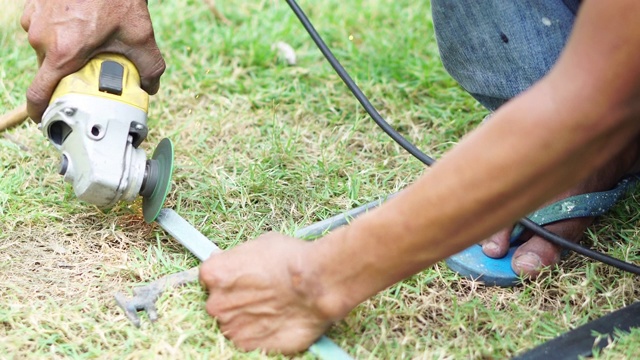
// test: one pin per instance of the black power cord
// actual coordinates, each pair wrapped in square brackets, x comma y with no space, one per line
[413,150]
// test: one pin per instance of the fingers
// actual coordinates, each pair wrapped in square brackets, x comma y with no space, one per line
[25,19]
[150,65]
[219,263]
[227,307]
[208,276]
[251,333]
[286,339]
[252,297]
[57,57]
[42,87]
[66,37]
[57,60]
[142,50]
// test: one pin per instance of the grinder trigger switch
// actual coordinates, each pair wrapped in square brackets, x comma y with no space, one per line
[111,77]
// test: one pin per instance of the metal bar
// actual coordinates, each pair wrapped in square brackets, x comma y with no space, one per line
[198,244]
[317,229]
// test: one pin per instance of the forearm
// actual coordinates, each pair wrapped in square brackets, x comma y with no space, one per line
[541,143]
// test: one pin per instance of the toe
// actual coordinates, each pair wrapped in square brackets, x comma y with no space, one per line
[497,245]
[533,256]
[538,253]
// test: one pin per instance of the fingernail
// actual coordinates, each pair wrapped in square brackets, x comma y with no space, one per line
[528,262]
[490,248]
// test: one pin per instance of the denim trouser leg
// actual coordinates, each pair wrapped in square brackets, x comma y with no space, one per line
[496,49]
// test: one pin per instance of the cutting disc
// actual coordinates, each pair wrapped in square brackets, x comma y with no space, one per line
[162,162]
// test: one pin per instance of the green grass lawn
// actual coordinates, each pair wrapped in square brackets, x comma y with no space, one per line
[265,146]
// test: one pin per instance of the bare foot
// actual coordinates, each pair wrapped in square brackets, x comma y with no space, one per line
[537,253]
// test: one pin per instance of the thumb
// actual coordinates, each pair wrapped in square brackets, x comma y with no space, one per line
[208,275]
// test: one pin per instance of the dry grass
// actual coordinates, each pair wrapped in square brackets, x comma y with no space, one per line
[261,146]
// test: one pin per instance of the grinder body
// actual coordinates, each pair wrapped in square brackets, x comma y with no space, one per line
[97,118]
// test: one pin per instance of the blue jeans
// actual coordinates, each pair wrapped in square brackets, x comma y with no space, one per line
[496,49]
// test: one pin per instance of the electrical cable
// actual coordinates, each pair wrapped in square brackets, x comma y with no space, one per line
[413,150]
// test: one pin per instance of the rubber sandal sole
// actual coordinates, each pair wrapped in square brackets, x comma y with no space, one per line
[472,263]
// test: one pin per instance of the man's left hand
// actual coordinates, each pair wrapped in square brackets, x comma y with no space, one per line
[260,294]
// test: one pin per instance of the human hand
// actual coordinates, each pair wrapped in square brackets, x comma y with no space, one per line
[67,34]
[264,295]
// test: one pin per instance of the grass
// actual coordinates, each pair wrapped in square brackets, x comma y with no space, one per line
[261,146]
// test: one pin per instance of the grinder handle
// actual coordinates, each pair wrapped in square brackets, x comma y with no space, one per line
[110,76]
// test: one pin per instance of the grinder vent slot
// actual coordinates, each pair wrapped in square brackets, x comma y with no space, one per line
[59,131]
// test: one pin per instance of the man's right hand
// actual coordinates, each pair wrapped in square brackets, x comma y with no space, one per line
[67,34]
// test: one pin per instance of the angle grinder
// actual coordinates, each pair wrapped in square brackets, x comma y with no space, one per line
[97,119]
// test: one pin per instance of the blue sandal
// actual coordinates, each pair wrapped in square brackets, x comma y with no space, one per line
[474,264]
